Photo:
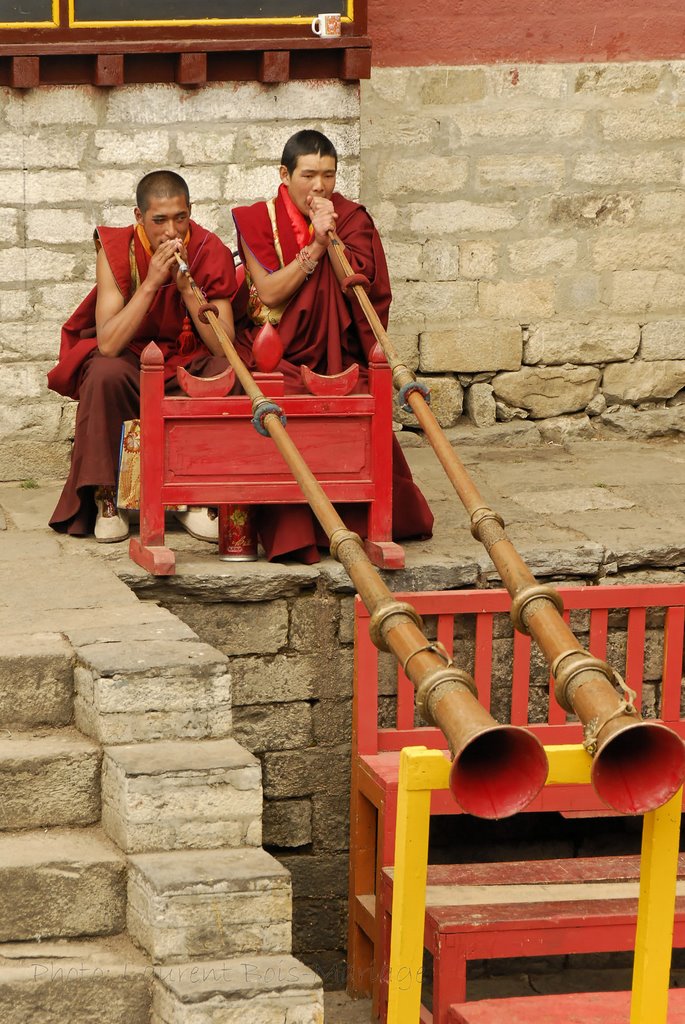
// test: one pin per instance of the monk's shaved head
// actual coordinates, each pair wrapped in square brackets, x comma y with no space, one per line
[305,143]
[160,185]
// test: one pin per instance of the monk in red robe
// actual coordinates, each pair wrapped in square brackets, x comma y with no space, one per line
[140,296]
[283,245]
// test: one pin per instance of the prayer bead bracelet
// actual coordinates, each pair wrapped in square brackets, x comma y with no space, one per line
[307,264]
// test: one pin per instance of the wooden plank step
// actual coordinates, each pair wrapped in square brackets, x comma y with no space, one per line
[573,891]
[576,1008]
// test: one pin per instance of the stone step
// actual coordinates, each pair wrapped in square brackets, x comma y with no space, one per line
[107,981]
[60,883]
[36,680]
[50,778]
[140,690]
[263,989]
[209,903]
[172,795]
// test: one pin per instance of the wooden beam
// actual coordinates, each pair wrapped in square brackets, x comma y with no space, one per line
[191,69]
[25,73]
[274,66]
[109,69]
[356,64]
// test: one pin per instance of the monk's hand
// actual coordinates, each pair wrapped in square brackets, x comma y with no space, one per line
[182,279]
[163,262]
[323,217]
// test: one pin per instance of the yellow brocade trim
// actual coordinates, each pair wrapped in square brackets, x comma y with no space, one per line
[256,310]
[133,266]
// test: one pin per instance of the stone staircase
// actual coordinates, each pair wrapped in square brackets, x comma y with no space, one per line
[133,885]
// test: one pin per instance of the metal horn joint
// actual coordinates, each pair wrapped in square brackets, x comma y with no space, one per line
[482,515]
[388,610]
[339,536]
[436,684]
[566,674]
[524,597]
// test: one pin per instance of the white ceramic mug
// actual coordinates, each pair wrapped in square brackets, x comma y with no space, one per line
[326,26]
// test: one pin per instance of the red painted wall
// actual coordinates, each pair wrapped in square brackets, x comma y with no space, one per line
[419,32]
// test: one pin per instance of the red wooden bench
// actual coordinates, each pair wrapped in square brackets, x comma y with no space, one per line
[203,450]
[375,755]
[577,1008]
[522,908]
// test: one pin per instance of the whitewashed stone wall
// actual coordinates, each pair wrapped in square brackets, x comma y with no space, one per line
[534,219]
[70,158]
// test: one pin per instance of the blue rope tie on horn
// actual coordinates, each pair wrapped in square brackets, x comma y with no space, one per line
[263,410]
[407,389]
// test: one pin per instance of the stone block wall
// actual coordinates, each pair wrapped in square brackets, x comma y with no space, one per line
[70,158]
[534,221]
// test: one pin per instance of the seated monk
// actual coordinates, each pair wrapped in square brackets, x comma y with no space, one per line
[140,296]
[283,245]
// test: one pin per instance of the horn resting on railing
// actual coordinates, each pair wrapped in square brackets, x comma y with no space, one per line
[637,765]
[497,769]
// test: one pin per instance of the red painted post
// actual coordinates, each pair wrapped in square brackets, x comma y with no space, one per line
[151,446]
[379,545]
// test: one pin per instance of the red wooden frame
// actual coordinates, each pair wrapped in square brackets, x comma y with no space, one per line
[375,751]
[205,451]
[454,935]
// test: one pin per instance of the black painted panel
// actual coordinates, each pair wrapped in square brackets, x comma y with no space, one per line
[195,10]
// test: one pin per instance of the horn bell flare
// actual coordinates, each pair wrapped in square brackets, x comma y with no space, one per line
[638,767]
[498,772]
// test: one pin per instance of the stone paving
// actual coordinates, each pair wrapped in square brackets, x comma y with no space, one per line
[586,510]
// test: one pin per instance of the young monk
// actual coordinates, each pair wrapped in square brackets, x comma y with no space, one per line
[140,296]
[283,245]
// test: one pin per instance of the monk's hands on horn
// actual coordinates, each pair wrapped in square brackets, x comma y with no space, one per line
[323,217]
[163,264]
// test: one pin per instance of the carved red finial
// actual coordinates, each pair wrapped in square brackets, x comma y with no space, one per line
[151,357]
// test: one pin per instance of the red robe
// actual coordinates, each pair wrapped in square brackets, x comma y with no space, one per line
[211,264]
[323,330]
[109,389]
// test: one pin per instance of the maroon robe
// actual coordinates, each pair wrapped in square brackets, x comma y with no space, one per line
[108,389]
[327,332]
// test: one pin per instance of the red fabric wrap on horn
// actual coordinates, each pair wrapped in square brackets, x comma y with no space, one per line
[352,280]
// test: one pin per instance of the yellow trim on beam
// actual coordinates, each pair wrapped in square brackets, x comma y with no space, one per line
[189,22]
[427,769]
[568,764]
[35,24]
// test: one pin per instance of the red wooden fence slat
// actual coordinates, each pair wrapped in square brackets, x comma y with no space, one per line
[482,667]
[635,652]
[405,701]
[674,631]
[599,631]
[520,679]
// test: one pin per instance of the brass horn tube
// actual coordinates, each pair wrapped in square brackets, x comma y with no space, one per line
[497,770]
[637,765]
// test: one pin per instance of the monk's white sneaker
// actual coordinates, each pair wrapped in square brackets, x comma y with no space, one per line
[200,523]
[111,523]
